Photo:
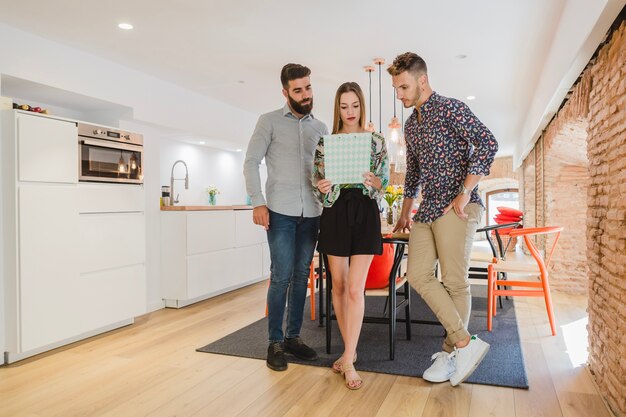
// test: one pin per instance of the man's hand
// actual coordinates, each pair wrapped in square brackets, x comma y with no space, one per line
[458,204]
[324,186]
[261,216]
[403,224]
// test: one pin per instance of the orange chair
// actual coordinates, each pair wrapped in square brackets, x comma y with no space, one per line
[541,288]
[312,277]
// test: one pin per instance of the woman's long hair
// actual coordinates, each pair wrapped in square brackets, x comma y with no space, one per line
[346,88]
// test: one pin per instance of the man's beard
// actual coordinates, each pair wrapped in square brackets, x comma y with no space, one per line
[413,103]
[303,109]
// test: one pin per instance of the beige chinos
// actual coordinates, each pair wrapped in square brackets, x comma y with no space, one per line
[448,239]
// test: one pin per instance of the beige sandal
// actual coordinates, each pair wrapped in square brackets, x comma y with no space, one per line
[337,368]
[352,384]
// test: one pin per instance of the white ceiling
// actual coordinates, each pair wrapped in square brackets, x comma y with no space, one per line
[521,56]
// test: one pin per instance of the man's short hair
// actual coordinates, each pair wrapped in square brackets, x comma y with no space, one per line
[293,72]
[409,62]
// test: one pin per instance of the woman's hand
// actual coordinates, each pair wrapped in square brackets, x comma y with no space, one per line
[372,180]
[324,186]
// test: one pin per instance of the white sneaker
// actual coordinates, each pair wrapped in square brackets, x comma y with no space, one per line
[442,369]
[468,359]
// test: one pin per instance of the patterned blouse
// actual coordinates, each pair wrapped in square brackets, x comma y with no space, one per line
[379,166]
[442,149]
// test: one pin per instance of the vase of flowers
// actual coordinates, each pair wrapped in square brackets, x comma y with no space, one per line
[212,191]
[393,193]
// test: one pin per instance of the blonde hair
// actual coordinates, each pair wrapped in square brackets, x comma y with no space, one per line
[346,88]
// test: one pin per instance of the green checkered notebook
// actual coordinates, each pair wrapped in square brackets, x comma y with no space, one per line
[347,157]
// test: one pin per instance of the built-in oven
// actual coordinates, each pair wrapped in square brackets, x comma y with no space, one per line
[109,155]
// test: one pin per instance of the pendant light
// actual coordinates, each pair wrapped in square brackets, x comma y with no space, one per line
[380,62]
[370,126]
[394,126]
[401,154]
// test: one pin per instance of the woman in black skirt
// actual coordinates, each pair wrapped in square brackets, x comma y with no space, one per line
[350,224]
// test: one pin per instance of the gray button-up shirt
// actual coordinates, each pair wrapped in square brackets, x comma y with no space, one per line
[288,146]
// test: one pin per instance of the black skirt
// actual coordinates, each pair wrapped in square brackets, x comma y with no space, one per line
[351,226]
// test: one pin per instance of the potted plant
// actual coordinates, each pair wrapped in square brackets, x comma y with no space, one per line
[212,191]
[393,193]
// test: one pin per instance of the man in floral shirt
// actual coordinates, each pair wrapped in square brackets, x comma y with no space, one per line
[448,151]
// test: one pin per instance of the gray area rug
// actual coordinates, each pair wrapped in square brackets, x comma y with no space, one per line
[503,365]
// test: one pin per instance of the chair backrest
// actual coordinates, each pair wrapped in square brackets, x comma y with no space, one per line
[532,231]
[495,232]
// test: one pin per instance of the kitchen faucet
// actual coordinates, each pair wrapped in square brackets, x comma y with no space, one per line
[172,200]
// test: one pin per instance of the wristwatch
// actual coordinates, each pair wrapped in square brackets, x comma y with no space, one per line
[464,190]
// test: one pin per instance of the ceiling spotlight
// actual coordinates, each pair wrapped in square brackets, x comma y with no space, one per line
[238,150]
[202,142]
[125,26]
[471,97]
[241,81]
[461,56]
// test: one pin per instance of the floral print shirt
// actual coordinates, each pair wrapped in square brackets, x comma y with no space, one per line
[379,166]
[447,144]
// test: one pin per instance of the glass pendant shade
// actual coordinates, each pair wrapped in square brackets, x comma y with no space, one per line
[394,130]
[401,156]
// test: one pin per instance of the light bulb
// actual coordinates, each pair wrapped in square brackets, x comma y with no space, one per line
[394,129]
[394,135]
[401,157]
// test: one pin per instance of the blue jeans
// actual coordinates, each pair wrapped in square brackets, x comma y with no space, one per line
[292,242]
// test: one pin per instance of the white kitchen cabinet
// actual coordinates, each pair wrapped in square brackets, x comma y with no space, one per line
[248,263]
[208,252]
[210,231]
[211,272]
[47,264]
[110,240]
[47,149]
[73,253]
[111,296]
[248,233]
[110,198]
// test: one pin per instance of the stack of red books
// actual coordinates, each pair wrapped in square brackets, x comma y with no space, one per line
[507,215]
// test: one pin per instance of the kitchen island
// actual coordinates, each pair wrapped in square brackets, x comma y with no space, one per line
[209,250]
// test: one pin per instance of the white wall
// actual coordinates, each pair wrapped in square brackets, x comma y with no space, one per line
[207,166]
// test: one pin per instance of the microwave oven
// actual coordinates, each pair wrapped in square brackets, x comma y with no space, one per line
[109,155]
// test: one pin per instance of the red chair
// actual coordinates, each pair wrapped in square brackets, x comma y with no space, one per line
[539,288]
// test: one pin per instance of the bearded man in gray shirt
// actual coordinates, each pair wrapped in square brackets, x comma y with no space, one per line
[287,138]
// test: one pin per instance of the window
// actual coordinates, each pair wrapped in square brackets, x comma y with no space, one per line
[505,197]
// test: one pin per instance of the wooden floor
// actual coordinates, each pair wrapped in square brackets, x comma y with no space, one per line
[151,368]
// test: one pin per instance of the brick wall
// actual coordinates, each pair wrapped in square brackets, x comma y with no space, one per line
[396,178]
[501,168]
[555,181]
[565,183]
[576,177]
[527,189]
[606,220]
